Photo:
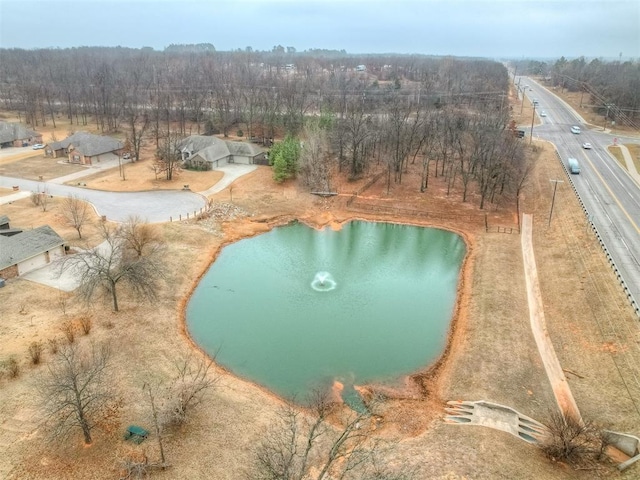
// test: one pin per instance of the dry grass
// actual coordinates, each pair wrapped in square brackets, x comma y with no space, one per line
[35,166]
[139,176]
[492,354]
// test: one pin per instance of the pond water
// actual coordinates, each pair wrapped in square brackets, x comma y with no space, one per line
[297,308]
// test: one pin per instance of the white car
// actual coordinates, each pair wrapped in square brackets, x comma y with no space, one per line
[543,113]
[37,146]
[586,146]
[575,129]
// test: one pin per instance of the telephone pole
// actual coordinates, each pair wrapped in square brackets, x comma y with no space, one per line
[533,117]
[553,199]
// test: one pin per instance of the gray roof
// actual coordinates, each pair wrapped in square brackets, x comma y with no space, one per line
[243,148]
[15,131]
[88,144]
[4,220]
[212,149]
[27,244]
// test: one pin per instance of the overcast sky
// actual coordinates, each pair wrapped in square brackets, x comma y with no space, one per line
[498,28]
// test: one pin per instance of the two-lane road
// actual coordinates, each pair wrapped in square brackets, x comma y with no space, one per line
[610,195]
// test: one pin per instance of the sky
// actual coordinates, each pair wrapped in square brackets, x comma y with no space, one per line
[476,28]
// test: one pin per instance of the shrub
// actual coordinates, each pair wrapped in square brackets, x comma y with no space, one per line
[85,324]
[12,367]
[69,330]
[53,345]
[240,133]
[35,352]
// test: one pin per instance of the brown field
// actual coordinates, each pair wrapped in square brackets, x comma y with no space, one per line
[492,355]
[140,176]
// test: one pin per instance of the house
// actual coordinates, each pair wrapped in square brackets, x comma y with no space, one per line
[4,222]
[206,153]
[17,135]
[27,250]
[361,68]
[85,148]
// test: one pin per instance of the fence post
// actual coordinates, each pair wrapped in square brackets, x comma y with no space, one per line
[486,224]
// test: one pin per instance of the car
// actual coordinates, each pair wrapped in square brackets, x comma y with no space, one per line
[37,146]
[126,156]
[543,113]
[575,129]
[586,146]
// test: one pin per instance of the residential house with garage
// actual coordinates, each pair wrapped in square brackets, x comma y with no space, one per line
[201,152]
[85,148]
[17,135]
[24,250]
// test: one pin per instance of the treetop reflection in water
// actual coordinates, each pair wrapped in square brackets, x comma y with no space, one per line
[297,308]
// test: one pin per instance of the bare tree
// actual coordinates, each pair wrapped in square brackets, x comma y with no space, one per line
[139,237]
[307,445]
[102,268]
[168,157]
[194,379]
[75,391]
[315,168]
[76,213]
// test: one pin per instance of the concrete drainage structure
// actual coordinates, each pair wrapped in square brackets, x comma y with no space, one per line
[495,416]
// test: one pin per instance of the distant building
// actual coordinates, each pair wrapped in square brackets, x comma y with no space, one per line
[206,153]
[361,68]
[85,148]
[17,135]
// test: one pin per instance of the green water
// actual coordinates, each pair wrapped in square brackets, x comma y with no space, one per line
[383,310]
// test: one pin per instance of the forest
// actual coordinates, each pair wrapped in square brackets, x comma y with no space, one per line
[359,115]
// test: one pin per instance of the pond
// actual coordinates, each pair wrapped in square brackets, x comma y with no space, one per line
[297,308]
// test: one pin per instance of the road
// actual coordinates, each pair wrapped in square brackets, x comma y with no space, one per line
[152,206]
[611,197]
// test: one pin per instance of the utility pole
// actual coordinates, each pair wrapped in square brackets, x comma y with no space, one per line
[553,199]
[533,116]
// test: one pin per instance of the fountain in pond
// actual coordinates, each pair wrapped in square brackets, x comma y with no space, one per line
[323,282]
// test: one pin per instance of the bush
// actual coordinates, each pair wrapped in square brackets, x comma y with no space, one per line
[53,345]
[85,324]
[12,367]
[240,133]
[577,443]
[35,352]
[69,330]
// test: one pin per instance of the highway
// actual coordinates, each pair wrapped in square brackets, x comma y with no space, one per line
[609,194]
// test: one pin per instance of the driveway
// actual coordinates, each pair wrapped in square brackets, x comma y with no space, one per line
[152,206]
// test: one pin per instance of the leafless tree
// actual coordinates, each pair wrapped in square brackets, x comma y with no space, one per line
[76,213]
[314,164]
[306,444]
[193,380]
[139,236]
[102,268]
[76,391]
[168,158]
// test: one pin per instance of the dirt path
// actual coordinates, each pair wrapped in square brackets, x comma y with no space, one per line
[561,390]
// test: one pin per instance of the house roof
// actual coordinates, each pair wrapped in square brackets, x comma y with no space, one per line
[27,244]
[88,144]
[212,149]
[10,132]
[243,148]
[4,220]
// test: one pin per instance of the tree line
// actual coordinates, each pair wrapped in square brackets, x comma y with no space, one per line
[446,116]
[611,88]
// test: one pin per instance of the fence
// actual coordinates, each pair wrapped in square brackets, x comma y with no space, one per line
[634,303]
